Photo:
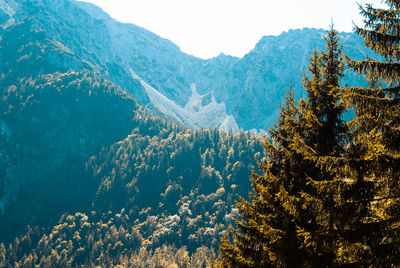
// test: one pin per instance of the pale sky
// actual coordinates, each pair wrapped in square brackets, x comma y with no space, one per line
[205,28]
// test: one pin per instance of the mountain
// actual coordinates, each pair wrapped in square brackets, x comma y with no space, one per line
[118,49]
[74,143]
[92,169]
[235,93]
[256,84]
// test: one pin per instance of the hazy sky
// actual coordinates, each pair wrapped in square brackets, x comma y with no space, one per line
[205,28]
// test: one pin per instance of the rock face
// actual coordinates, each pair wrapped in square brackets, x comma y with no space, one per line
[244,92]
[255,85]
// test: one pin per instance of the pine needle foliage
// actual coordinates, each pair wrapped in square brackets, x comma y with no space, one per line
[373,154]
[267,235]
[291,218]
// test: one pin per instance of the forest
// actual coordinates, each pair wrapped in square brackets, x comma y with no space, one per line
[91,178]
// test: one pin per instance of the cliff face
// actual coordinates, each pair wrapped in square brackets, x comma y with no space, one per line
[255,85]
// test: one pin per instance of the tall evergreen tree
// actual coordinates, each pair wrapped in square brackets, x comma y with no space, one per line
[290,219]
[322,133]
[372,164]
[267,233]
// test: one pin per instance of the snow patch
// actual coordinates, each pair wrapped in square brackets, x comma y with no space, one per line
[201,111]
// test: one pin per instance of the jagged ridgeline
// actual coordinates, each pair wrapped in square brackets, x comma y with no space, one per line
[98,179]
[224,92]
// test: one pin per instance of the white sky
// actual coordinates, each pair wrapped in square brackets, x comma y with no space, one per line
[205,28]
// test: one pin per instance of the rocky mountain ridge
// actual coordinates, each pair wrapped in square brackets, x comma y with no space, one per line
[250,88]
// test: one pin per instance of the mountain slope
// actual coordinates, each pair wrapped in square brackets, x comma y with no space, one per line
[73,142]
[50,119]
[247,91]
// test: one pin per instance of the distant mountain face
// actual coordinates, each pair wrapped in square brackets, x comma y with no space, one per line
[256,84]
[225,92]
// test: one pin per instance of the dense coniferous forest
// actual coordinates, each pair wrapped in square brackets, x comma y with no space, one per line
[90,177]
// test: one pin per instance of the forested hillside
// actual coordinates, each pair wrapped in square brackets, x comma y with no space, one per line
[141,200]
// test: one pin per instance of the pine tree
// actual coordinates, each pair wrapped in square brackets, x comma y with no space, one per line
[322,133]
[267,234]
[372,164]
[290,219]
